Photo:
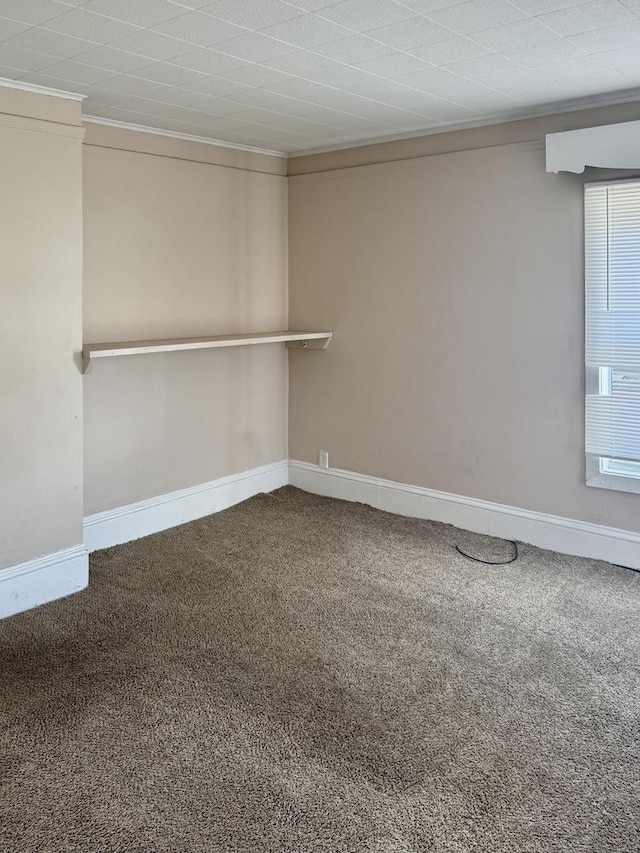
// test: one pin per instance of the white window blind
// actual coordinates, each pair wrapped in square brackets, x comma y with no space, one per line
[612,268]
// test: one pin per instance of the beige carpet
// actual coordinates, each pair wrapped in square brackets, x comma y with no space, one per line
[302,674]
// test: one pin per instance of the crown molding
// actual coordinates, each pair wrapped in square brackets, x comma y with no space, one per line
[188,137]
[40,90]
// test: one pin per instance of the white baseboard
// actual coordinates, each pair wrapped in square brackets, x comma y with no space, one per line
[53,576]
[565,535]
[44,579]
[535,528]
[133,521]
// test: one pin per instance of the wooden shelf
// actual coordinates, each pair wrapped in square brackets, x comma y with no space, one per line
[302,340]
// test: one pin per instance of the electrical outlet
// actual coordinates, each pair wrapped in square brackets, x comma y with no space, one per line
[323,458]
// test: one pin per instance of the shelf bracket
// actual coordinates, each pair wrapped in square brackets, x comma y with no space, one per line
[319,343]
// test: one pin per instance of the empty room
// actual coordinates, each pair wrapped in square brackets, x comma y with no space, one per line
[320,426]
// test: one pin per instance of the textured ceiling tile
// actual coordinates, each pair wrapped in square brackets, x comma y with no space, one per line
[477,15]
[87,25]
[24,60]
[589,16]
[451,50]
[312,128]
[316,131]
[256,75]
[477,97]
[248,112]
[497,103]
[341,77]
[326,97]
[618,37]
[96,95]
[41,78]
[199,29]
[392,65]
[209,61]
[437,81]
[361,15]
[312,5]
[31,11]
[605,78]
[353,49]
[412,33]
[518,34]
[217,86]
[541,7]
[8,28]
[356,124]
[170,75]
[265,132]
[268,100]
[118,61]
[195,100]
[149,106]
[581,66]
[143,13]
[301,63]
[56,44]
[287,123]
[123,113]
[218,123]
[398,97]
[360,83]
[507,81]
[248,13]
[298,88]
[557,91]
[73,71]
[292,106]
[132,86]
[391,116]
[483,66]
[540,54]
[190,4]
[395,119]
[426,7]
[388,92]
[306,31]
[254,47]
[153,45]
[628,59]
[438,109]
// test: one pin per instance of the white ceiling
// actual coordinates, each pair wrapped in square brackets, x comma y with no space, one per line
[297,75]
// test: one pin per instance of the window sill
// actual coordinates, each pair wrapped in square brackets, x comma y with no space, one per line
[616,482]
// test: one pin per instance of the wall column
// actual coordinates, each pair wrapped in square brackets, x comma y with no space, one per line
[41,552]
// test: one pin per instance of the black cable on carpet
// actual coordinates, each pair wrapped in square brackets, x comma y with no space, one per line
[491,562]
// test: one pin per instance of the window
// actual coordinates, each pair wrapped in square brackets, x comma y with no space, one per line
[612,272]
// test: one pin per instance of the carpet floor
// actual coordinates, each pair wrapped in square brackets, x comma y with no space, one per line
[300,674]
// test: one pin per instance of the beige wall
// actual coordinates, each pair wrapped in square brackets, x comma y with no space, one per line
[41,336]
[454,285]
[176,245]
